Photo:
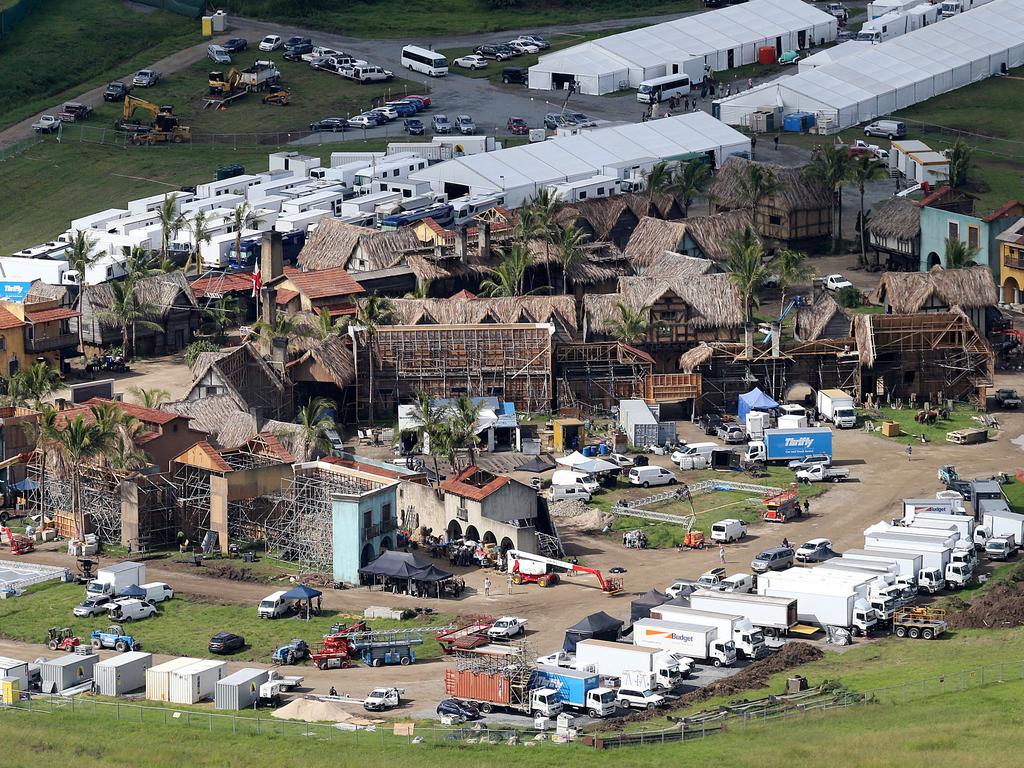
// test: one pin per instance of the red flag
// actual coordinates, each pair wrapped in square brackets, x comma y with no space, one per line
[257,280]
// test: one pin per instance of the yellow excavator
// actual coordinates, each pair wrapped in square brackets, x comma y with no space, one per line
[219,85]
[163,125]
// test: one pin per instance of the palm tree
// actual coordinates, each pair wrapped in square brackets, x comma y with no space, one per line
[128,312]
[791,267]
[371,313]
[316,418]
[757,183]
[434,432]
[326,326]
[544,214]
[467,412]
[223,313]
[243,217]
[283,327]
[568,251]
[832,166]
[658,181]
[421,291]
[37,382]
[171,222]
[150,398]
[123,430]
[747,270]
[959,163]
[509,277]
[632,325]
[138,262]
[80,258]
[864,169]
[78,441]
[689,181]
[196,348]
[199,228]
[959,254]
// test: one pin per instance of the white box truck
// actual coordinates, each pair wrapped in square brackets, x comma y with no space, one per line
[115,579]
[749,640]
[878,590]
[611,659]
[820,601]
[836,406]
[913,507]
[697,641]
[908,565]
[999,523]
[773,615]
[964,524]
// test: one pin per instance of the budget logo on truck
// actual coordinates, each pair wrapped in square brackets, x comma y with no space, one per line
[666,634]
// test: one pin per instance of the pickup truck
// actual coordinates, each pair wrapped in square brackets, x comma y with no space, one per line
[814,460]
[681,587]
[1007,398]
[836,283]
[711,579]
[861,147]
[73,111]
[506,628]
[380,699]
[838,10]
[46,124]
[822,474]
[270,691]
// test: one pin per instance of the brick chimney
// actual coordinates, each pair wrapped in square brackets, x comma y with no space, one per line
[268,314]
[271,256]
[483,239]
[748,341]
[461,243]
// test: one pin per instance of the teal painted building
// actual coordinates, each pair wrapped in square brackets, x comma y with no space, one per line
[364,523]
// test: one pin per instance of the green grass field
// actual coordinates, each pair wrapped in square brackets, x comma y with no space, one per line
[68,46]
[418,20]
[960,418]
[183,626]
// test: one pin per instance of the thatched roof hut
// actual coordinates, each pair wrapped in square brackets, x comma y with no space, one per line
[673,266]
[557,310]
[708,236]
[328,361]
[614,218]
[337,244]
[898,218]
[824,319]
[905,293]
[651,238]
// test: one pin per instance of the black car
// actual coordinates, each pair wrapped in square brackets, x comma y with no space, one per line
[226,642]
[294,51]
[116,91]
[498,52]
[515,76]
[413,126]
[235,44]
[458,708]
[709,423]
[332,124]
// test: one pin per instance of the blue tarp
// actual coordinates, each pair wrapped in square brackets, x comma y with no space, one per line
[754,400]
[28,484]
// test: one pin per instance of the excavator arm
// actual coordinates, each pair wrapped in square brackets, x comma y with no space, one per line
[132,103]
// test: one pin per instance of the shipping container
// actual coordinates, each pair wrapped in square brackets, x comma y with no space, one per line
[67,671]
[158,678]
[15,668]
[239,690]
[192,684]
[775,614]
[122,674]
[477,686]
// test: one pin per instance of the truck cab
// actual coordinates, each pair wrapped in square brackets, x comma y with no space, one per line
[545,701]
[601,702]
[750,640]
[712,579]
[884,606]
[930,580]
[864,617]
[1000,547]
[723,653]
[958,575]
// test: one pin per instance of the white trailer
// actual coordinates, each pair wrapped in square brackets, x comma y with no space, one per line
[697,641]
[879,589]
[820,601]
[299,222]
[912,507]
[882,7]
[115,579]
[884,28]
[1000,523]
[196,682]
[836,406]
[907,563]
[611,659]
[585,189]
[935,552]
[962,524]
[16,269]
[749,640]
[775,615]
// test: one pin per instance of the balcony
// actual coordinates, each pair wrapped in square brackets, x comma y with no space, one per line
[379,529]
[50,343]
[1013,262]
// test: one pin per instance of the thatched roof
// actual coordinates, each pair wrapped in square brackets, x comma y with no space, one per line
[711,233]
[559,310]
[909,292]
[41,291]
[334,243]
[603,213]
[897,217]
[691,359]
[334,356]
[672,266]
[800,189]
[713,300]
[229,427]
[166,292]
[249,379]
[651,238]
[812,321]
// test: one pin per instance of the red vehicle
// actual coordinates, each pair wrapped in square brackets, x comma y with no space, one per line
[517,126]
[424,99]
[528,568]
[782,507]
[335,652]
[468,632]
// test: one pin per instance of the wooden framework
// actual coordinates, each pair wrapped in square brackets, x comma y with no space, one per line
[597,375]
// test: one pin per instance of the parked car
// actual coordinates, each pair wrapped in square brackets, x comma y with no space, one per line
[226,642]
[517,126]
[537,40]
[271,43]
[731,433]
[709,423]
[506,628]
[634,698]
[362,121]
[581,119]
[93,606]
[891,129]
[473,61]
[130,610]
[465,125]
[522,45]
[379,118]
[331,124]
[413,126]
[810,461]
[837,282]
[814,551]
[773,559]
[145,78]
[553,121]
[236,45]
[458,708]
[296,47]
[496,52]
[424,100]
[650,475]
[403,108]
[789,57]
[619,459]
[1007,398]
[681,588]
[46,124]
[515,76]
[116,91]
[218,54]
[416,104]
[441,124]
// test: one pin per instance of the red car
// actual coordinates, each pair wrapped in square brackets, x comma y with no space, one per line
[424,99]
[517,126]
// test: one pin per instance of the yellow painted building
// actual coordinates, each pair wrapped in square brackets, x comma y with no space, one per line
[44,331]
[12,337]
[1011,264]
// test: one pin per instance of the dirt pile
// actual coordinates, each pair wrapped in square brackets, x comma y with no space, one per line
[316,711]
[579,517]
[1000,606]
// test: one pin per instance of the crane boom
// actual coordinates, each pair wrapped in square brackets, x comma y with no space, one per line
[516,557]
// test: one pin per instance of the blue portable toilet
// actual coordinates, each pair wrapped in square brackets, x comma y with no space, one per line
[797,122]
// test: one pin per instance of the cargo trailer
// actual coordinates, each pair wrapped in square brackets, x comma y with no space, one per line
[490,691]
[122,674]
[775,615]
[696,641]
[748,639]
[908,563]
[820,601]
[196,682]
[158,678]
[239,690]
[611,659]
[66,672]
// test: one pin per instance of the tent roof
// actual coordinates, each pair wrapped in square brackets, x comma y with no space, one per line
[596,622]
[757,400]
[432,573]
[536,464]
[572,459]
[397,565]
[301,592]
[652,598]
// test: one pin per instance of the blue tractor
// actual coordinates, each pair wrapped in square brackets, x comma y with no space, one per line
[297,650]
[114,638]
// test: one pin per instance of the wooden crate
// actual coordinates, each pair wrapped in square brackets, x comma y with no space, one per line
[891,428]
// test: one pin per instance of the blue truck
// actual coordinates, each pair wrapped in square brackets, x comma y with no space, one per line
[788,444]
[576,689]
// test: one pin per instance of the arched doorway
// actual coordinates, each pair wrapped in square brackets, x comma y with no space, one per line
[385,544]
[472,534]
[454,530]
[934,260]
[507,544]
[490,538]
[367,555]
[800,392]
[1011,291]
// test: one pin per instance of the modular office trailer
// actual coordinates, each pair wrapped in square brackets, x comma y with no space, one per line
[239,690]
[67,671]
[192,684]
[122,674]
[15,668]
[158,678]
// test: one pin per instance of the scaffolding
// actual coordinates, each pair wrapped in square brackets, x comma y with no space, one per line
[512,662]
[595,377]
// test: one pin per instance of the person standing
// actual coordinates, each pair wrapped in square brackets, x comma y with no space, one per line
[750,83]
[509,583]
[487,586]
[910,452]
[753,146]
[807,508]
[776,141]
[721,553]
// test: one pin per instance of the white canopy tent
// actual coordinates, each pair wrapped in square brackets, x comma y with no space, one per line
[895,74]
[520,172]
[721,39]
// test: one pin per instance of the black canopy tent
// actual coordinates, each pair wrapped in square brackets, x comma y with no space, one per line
[596,626]
[536,464]
[403,566]
[641,607]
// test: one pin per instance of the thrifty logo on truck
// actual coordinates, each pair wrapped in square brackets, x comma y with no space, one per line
[799,442]
[669,635]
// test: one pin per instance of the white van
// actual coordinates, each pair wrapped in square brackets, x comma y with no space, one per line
[568,493]
[274,605]
[130,610]
[891,129]
[651,475]
[728,530]
[337,446]
[742,583]
[567,477]
[157,591]
[694,449]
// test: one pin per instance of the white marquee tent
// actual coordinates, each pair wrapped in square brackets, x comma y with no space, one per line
[520,172]
[721,39]
[895,74]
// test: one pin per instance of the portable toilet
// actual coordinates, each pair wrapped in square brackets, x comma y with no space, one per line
[239,690]
[122,674]
[67,671]
[10,691]
[15,668]
[207,26]
[219,21]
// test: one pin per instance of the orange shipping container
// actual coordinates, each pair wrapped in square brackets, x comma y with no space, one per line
[476,686]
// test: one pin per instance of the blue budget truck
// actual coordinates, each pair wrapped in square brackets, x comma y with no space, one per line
[576,689]
[789,444]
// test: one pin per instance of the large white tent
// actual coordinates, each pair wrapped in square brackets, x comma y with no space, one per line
[897,73]
[721,39]
[520,172]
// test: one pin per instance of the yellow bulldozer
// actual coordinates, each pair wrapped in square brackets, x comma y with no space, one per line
[279,97]
[162,127]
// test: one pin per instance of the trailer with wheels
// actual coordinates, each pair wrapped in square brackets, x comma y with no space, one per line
[924,623]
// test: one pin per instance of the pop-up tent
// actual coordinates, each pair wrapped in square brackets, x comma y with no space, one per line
[641,607]
[303,594]
[596,626]
[754,400]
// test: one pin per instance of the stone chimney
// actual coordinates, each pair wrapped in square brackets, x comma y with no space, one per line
[776,338]
[748,341]
[268,314]
[483,240]
[279,353]
[271,257]
[461,243]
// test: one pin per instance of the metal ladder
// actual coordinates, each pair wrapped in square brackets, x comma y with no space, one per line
[550,546]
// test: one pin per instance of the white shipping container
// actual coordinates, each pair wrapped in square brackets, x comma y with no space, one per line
[192,684]
[158,678]
[772,613]
[122,674]
[909,563]
[15,668]
[67,671]
[239,690]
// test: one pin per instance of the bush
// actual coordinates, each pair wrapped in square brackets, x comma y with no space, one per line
[196,348]
[849,297]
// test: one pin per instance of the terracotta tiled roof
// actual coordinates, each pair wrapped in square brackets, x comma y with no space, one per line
[460,485]
[213,455]
[464,294]
[148,415]
[227,283]
[50,315]
[1009,208]
[275,447]
[370,469]
[323,283]
[8,320]
[284,296]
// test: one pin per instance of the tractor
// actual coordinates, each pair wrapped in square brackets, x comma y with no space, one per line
[296,650]
[115,638]
[62,640]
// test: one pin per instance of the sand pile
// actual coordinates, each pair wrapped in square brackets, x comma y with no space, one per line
[314,711]
[1001,606]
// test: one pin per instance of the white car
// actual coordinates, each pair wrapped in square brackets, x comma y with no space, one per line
[46,124]
[362,121]
[319,52]
[472,61]
[506,627]
[271,43]
[523,45]
[130,610]
[634,698]
[837,282]
[389,112]
[620,459]
[814,551]
[557,659]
